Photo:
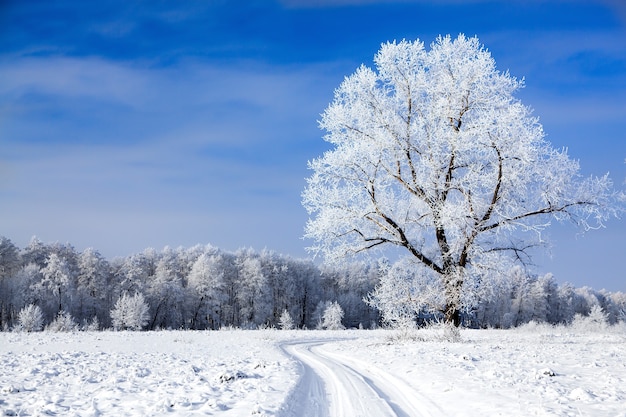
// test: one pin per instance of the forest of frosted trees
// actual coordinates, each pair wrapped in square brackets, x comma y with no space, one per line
[203,287]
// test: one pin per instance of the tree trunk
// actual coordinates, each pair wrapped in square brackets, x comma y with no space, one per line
[453,285]
[452,315]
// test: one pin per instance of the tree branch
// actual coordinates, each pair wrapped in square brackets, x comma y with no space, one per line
[546,210]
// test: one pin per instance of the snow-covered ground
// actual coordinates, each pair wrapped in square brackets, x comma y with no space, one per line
[533,371]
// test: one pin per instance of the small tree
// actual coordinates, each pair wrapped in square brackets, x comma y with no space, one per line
[333,315]
[130,313]
[434,155]
[30,319]
[64,322]
[285,322]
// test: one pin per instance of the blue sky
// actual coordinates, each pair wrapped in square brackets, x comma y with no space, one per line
[126,125]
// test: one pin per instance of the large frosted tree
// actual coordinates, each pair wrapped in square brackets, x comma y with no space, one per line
[433,154]
[207,294]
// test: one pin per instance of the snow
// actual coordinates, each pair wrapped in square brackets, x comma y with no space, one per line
[537,372]
[141,373]
[533,371]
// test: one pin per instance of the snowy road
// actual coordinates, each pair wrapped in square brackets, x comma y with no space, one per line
[334,385]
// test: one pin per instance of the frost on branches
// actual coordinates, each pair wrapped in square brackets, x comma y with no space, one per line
[433,154]
[402,295]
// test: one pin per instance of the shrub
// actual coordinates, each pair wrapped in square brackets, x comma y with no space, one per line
[30,319]
[596,320]
[92,326]
[64,322]
[130,313]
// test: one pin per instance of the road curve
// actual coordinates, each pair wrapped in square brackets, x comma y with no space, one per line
[333,385]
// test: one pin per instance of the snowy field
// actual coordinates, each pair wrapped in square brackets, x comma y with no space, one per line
[535,371]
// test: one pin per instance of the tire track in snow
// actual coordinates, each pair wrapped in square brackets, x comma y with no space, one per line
[333,385]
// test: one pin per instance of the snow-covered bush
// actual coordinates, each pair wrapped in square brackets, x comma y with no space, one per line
[30,319]
[431,331]
[536,327]
[286,322]
[597,320]
[333,315]
[64,322]
[130,312]
[92,326]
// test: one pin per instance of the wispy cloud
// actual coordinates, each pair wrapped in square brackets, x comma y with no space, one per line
[73,77]
[237,96]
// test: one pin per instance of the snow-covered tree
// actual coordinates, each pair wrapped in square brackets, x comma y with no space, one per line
[543,293]
[36,252]
[252,292]
[56,282]
[564,310]
[434,155]
[9,265]
[616,307]
[207,291]
[132,274]
[493,309]
[25,285]
[30,319]
[166,297]
[279,282]
[286,322]
[130,312]
[333,317]
[92,285]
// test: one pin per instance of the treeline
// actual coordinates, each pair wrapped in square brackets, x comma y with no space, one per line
[496,300]
[516,299]
[203,287]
